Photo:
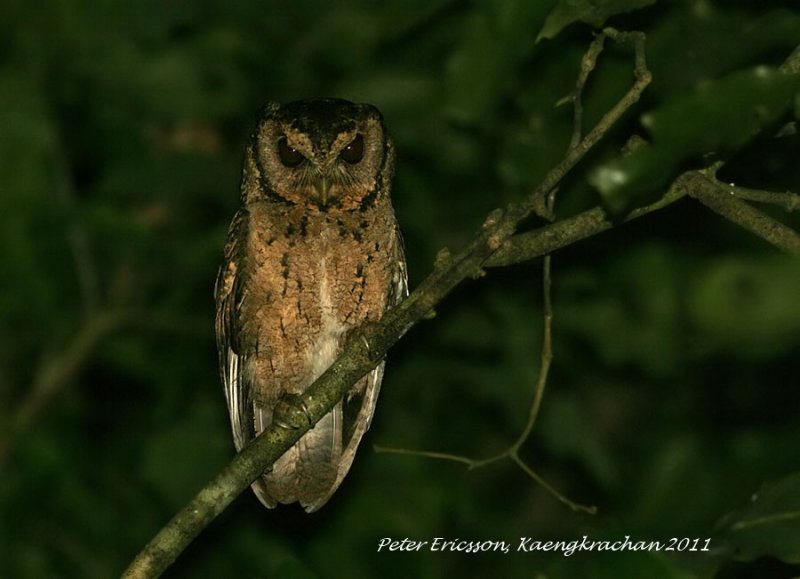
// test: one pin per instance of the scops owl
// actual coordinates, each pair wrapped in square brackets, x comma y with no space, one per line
[314,252]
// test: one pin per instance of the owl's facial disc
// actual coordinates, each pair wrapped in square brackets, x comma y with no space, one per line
[325,154]
[323,172]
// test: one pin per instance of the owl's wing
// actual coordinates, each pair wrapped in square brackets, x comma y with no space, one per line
[399,288]
[396,292]
[358,406]
[228,292]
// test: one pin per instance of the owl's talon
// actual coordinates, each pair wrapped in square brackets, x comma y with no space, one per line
[306,412]
[282,424]
[284,410]
[366,344]
[361,333]
[368,328]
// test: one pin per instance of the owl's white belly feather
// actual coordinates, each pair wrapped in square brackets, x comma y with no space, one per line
[326,348]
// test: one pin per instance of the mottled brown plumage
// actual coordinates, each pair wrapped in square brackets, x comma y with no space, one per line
[314,252]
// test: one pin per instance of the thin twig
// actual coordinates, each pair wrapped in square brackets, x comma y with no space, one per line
[642,76]
[512,451]
[425,453]
[716,196]
[59,369]
[698,184]
[78,239]
[547,210]
[546,355]
[788,200]
[588,64]
[357,359]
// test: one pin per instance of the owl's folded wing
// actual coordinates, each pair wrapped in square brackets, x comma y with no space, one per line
[228,295]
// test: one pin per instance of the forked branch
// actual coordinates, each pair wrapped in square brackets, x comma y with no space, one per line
[495,245]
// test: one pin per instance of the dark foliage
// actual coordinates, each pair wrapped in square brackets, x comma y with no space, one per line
[674,391]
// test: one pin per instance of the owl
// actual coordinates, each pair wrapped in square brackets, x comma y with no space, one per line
[313,253]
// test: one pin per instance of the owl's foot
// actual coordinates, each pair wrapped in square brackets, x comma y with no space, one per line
[362,334]
[290,409]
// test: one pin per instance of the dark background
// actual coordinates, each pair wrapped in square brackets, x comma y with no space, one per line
[674,392]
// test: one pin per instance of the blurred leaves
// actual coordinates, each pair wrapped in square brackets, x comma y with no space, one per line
[768,525]
[594,12]
[641,313]
[746,306]
[495,39]
[174,461]
[725,114]
[675,336]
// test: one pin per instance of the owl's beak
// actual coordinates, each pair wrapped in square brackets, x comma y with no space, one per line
[322,187]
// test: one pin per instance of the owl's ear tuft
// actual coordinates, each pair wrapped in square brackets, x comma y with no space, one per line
[268,110]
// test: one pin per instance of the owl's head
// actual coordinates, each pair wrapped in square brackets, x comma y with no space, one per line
[325,154]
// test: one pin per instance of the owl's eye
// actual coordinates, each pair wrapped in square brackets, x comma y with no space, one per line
[289,156]
[353,152]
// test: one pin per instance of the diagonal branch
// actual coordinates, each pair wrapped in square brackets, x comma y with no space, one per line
[697,184]
[718,197]
[788,200]
[359,358]
[495,245]
[355,361]
[546,210]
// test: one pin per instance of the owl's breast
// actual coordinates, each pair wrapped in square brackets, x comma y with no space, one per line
[332,326]
[308,283]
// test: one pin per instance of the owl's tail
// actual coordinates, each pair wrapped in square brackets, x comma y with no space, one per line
[308,470]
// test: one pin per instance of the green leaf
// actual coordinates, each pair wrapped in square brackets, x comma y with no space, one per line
[746,306]
[480,70]
[714,118]
[594,12]
[676,63]
[769,525]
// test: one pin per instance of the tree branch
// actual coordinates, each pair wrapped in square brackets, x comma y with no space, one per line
[788,200]
[495,245]
[359,357]
[718,197]
[512,451]
[697,184]
[539,242]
